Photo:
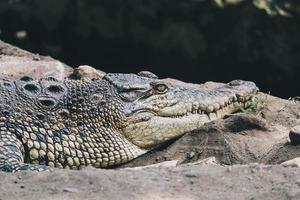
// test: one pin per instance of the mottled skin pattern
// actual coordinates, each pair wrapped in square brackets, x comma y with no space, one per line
[100,122]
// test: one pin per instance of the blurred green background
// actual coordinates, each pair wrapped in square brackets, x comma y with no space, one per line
[191,40]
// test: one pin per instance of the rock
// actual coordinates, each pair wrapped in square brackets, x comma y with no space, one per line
[71,190]
[292,163]
[295,135]
[16,63]
[86,71]
[10,50]
[16,67]
[171,163]
[191,154]
[191,174]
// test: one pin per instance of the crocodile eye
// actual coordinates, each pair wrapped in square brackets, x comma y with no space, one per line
[161,88]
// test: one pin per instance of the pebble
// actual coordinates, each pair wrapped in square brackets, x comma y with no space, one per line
[295,135]
[191,154]
[71,190]
[86,71]
[191,174]
[292,163]
[229,169]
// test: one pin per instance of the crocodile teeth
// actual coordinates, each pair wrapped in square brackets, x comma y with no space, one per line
[212,116]
[195,105]
[218,113]
[209,109]
[222,105]
[216,106]
[234,98]
[216,110]
[202,107]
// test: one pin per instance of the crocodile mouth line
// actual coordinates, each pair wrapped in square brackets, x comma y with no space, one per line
[227,109]
[231,104]
[212,111]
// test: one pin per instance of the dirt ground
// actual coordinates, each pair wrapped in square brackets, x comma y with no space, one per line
[177,183]
[237,157]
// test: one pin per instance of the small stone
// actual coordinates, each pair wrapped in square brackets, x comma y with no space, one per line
[71,190]
[229,169]
[292,163]
[191,154]
[191,174]
[158,158]
[85,71]
[295,135]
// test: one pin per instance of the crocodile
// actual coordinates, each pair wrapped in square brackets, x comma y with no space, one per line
[103,122]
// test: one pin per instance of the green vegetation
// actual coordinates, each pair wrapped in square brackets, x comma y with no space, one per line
[296,101]
[256,104]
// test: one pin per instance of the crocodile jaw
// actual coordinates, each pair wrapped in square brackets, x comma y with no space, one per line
[147,130]
[148,134]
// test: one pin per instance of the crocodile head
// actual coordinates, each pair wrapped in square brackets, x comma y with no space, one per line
[156,110]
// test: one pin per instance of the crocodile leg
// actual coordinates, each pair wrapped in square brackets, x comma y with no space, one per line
[12,155]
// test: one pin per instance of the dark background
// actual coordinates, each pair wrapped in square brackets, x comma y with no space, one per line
[191,40]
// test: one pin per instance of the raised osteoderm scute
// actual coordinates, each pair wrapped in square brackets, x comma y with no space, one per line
[102,122]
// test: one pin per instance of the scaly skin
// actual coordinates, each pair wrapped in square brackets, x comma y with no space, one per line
[102,122]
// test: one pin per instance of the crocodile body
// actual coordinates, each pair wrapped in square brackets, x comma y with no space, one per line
[102,122]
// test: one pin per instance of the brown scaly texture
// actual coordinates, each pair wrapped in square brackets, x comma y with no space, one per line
[60,124]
